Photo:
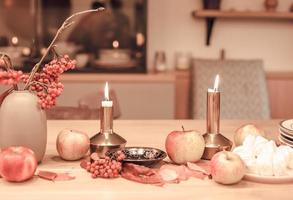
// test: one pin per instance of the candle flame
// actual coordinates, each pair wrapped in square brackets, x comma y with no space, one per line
[106,92]
[216,83]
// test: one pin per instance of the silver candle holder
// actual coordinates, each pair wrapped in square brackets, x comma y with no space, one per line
[106,139]
[214,140]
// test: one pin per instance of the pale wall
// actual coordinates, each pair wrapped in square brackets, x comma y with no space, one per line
[171,28]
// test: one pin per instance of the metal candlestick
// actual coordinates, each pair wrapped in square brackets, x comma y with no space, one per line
[214,140]
[106,139]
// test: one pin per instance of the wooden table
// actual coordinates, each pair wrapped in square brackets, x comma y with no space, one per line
[138,133]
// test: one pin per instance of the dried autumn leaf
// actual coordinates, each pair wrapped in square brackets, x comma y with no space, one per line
[141,174]
[53,176]
[198,168]
[83,164]
[47,175]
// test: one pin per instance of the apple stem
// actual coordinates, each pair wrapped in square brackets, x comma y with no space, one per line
[227,155]
[183,128]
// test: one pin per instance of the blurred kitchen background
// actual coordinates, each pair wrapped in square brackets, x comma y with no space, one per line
[151,53]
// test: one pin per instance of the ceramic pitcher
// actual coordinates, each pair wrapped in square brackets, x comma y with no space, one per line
[23,123]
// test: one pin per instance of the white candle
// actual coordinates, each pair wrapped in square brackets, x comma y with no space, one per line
[216,84]
[106,102]
[213,108]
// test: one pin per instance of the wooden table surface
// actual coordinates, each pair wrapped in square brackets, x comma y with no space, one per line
[138,133]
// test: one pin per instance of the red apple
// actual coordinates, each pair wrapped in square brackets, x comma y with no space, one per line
[72,144]
[227,167]
[184,146]
[245,130]
[17,164]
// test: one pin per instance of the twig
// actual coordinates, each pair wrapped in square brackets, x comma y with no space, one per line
[37,82]
[55,54]
[8,65]
[65,25]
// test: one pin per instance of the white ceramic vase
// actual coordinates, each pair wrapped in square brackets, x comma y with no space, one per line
[23,123]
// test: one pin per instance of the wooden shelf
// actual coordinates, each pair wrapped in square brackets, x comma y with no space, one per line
[243,14]
[211,15]
[166,77]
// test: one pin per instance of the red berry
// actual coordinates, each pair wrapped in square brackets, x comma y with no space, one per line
[94,176]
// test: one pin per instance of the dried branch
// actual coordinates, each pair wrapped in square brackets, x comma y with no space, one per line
[64,26]
[55,54]
[7,61]
[8,65]
[38,83]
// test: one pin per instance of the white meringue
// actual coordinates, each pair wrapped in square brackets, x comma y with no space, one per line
[269,147]
[259,144]
[290,164]
[263,157]
[288,152]
[260,139]
[284,151]
[279,164]
[249,141]
[252,166]
[244,153]
[264,163]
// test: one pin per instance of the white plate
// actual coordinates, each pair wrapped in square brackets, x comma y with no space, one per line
[285,131]
[273,179]
[285,141]
[287,125]
[286,134]
[270,179]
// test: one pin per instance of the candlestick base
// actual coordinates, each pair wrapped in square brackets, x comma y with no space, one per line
[101,143]
[215,143]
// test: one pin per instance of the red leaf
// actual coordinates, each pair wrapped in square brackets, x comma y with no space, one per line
[169,171]
[198,168]
[52,176]
[64,177]
[83,164]
[47,175]
[141,174]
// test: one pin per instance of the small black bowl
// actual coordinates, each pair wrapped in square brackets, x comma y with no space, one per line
[141,155]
